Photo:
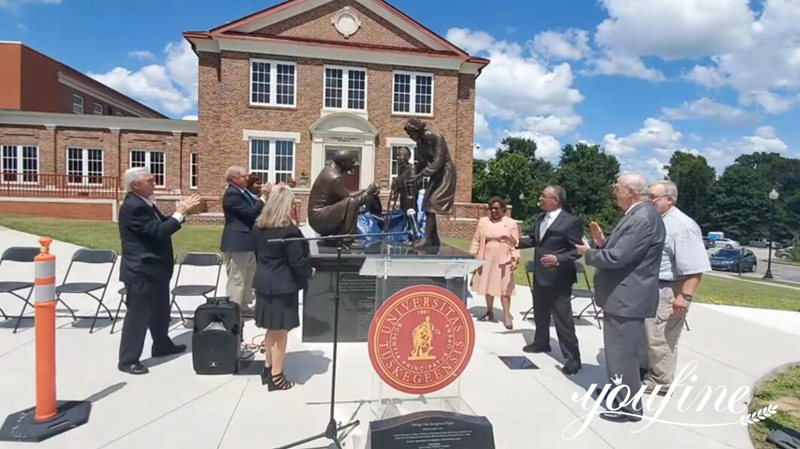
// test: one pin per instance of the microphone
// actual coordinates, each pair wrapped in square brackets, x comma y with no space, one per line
[412,215]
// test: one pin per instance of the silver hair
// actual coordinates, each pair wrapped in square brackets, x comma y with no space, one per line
[561,194]
[636,182]
[132,176]
[670,189]
[233,171]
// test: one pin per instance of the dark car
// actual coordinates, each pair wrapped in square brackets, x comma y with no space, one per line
[708,243]
[734,260]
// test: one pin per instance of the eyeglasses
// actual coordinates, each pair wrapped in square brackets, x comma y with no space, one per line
[655,198]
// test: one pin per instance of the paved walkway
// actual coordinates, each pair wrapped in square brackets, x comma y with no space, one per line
[172,407]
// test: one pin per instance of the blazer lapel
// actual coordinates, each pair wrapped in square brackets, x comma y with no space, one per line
[622,221]
[557,220]
[536,226]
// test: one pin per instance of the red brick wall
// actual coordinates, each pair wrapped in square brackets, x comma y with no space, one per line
[83,211]
[316,24]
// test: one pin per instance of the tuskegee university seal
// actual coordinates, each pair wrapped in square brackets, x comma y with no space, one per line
[421,339]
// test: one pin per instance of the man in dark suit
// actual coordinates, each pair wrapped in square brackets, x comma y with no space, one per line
[241,209]
[626,284]
[146,269]
[554,236]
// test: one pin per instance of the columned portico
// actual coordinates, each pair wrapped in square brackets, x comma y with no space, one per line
[344,130]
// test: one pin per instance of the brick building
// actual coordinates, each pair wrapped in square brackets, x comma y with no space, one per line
[34,82]
[282,89]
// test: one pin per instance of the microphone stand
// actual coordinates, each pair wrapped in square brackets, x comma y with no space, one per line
[332,430]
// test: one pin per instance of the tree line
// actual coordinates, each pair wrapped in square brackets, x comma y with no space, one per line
[736,202]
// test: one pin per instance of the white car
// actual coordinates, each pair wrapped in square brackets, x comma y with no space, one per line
[726,243]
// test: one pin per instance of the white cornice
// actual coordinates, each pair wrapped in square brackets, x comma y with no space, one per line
[339,54]
[97,122]
[248,134]
[77,84]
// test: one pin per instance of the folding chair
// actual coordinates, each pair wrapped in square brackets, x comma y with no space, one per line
[586,293]
[93,257]
[196,260]
[21,254]
[122,293]
[529,275]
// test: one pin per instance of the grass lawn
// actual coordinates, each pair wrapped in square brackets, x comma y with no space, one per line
[783,390]
[103,234]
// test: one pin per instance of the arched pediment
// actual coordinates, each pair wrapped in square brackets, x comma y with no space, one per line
[343,123]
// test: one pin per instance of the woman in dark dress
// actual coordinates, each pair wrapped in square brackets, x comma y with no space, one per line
[283,270]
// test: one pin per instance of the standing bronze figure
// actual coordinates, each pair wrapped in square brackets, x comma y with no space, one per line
[332,209]
[433,162]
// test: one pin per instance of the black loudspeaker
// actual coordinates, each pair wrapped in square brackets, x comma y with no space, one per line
[217,337]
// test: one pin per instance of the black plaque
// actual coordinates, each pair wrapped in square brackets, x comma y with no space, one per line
[431,430]
[356,292]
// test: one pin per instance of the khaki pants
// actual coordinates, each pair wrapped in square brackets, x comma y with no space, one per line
[241,270]
[663,333]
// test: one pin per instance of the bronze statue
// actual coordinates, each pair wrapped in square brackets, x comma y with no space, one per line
[404,186]
[433,162]
[332,209]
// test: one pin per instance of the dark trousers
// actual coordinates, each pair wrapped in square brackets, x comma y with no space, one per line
[623,339]
[148,307]
[555,301]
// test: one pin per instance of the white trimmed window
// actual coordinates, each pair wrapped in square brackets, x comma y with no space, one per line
[98,109]
[412,93]
[77,104]
[273,83]
[84,166]
[272,160]
[153,161]
[345,88]
[193,170]
[20,163]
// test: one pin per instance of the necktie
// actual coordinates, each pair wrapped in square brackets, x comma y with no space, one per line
[543,227]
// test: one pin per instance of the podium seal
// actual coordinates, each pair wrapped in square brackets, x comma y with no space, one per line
[421,339]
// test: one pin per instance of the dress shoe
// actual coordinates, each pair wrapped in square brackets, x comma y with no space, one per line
[175,349]
[133,368]
[620,417]
[534,348]
[571,367]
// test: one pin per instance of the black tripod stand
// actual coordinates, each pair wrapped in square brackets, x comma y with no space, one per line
[332,430]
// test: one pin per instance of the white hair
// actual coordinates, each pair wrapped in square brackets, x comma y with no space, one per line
[234,171]
[636,182]
[670,189]
[132,176]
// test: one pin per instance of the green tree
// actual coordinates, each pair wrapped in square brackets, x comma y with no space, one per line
[508,177]
[480,170]
[695,180]
[587,173]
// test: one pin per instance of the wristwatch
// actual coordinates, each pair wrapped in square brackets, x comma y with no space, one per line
[687,296]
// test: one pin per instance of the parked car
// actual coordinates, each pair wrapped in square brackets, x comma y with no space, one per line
[728,259]
[708,243]
[763,243]
[726,243]
[784,253]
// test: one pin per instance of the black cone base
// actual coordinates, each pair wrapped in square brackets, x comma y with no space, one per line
[22,426]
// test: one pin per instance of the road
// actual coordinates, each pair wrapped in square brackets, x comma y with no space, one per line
[789,273]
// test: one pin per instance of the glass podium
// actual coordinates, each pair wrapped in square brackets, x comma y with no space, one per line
[448,269]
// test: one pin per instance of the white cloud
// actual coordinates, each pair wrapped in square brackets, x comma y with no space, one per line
[547,147]
[675,29]
[765,139]
[556,125]
[706,76]
[708,109]
[189,117]
[770,102]
[616,64]
[481,126]
[171,86]
[483,153]
[656,134]
[144,55]
[17,4]
[572,44]
[537,100]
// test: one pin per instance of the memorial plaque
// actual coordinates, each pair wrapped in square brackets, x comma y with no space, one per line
[431,430]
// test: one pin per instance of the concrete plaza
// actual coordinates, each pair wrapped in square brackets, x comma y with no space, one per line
[172,407]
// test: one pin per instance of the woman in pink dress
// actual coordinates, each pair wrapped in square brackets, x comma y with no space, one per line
[495,243]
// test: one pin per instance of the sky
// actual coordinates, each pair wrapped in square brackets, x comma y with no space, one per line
[642,78]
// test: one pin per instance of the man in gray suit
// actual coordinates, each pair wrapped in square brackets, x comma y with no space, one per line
[626,283]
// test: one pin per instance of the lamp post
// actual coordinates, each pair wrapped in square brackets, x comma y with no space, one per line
[773,196]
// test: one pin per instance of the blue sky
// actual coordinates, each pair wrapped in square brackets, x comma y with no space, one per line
[641,78]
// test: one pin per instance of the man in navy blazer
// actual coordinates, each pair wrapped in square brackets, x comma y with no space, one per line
[241,209]
[146,269]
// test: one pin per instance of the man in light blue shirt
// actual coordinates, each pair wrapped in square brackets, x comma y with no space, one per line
[683,263]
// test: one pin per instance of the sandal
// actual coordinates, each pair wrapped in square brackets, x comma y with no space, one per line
[266,371]
[279,382]
[488,316]
[508,324]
